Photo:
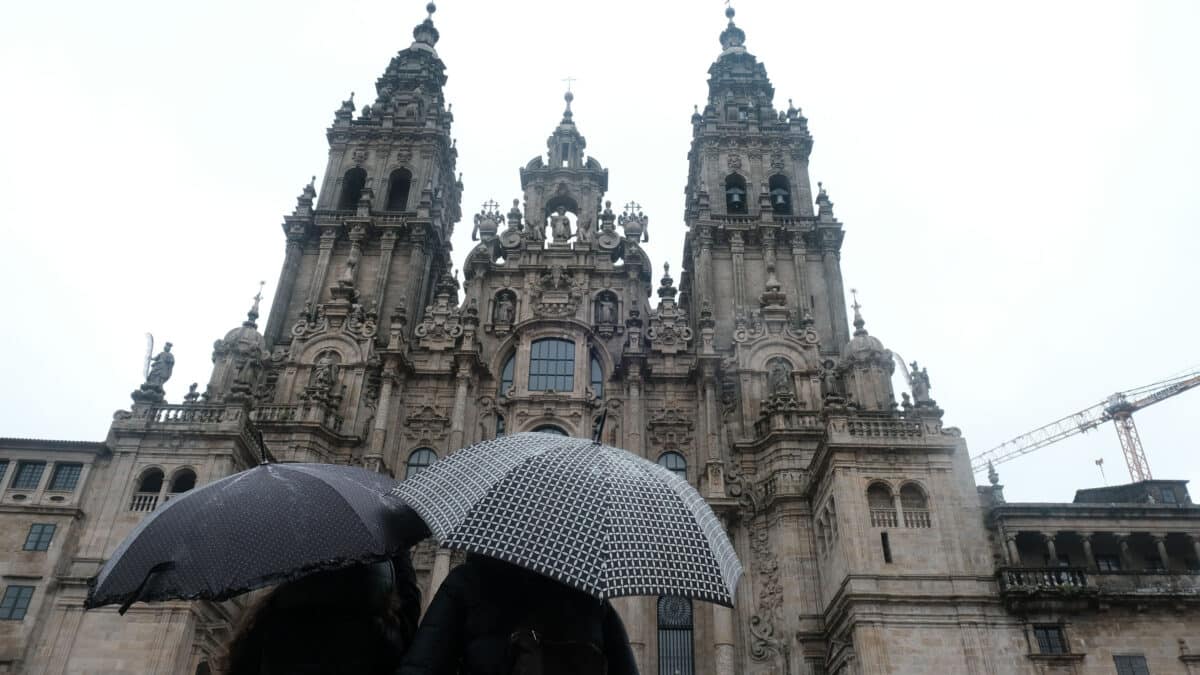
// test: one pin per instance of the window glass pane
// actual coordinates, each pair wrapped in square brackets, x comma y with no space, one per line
[1050,639]
[506,376]
[39,536]
[1131,665]
[1168,496]
[418,461]
[597,378]
[1108,563]
[28,475]
[675,463]
[65,477]
[3,468]
[552,365]
[15,602]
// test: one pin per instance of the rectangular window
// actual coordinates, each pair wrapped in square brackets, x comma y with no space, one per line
[65,477]
[39,536]
[552,365]
[1131,665]
[1051,640]
[1168,496]
[3,468]
[887,547]
[28,475]
[1108,563]
[15,602]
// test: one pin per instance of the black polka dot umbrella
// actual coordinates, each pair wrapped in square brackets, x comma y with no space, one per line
[256,528]
[588,515]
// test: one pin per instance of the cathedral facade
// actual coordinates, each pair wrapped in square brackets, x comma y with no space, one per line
[868,547]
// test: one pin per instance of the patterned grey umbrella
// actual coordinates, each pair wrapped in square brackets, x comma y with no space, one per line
[588,515]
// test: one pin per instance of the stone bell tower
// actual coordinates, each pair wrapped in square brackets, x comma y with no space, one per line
[751,226]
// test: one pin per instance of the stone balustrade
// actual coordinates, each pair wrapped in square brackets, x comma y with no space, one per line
[917,518]
[1042,578]
[883,518]
[144,501]
[190,414]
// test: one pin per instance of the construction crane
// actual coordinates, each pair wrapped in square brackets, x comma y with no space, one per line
[1118,409]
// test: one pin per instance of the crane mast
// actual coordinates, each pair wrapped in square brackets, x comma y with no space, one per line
[1118,408]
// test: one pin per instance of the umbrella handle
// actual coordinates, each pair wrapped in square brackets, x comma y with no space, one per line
[133,597]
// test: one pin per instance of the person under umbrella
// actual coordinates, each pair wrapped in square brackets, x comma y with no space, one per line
[275,524]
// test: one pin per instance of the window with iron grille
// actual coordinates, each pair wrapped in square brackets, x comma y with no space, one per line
[15,602]
[552,365]
[1051,640]
[39,536]
[65,477]
[1131,665]
[418,461]
[675,653]
[28,475]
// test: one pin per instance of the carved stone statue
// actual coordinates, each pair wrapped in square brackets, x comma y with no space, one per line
[536,232]
[161,367]
[583,233]
[324,371]
[505,309]
[920,385]
[606,310]
[779,379]
[560,225]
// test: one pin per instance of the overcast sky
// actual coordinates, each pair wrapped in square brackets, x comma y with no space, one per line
[1017,179]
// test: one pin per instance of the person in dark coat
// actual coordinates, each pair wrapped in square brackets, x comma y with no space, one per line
[489,616]
[358,620]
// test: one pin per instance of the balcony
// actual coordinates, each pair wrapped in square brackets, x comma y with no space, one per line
[883,518]
[1060,588]
[144,501]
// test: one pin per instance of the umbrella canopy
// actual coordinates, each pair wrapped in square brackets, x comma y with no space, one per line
[588,515]
[259,527]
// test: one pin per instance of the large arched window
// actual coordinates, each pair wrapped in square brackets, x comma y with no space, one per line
[675,653]
[506,375]
[883,507]
[735,194]
[182,481]
[419,460]
[398,187]
[151,481]
[552,365]
[674,462]
[597,379]
[149,484]
[915,506]
[781,195]
[352,186]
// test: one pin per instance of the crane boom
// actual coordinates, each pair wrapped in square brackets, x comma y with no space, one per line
[1118,408]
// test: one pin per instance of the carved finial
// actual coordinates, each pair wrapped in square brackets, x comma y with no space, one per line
[666,268]
[859,324]
[252,315]
[732,36]
[568,97]
[431,8]
[729,11]
[993,477]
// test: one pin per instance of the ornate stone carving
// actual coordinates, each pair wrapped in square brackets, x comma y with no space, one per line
[441,326]
[670,429]
[734,162]
[555,293]
[427,425]
[668,332]
[157,374]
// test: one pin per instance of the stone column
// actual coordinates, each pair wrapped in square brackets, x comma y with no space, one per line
[899,509]
[1086,538]
[463,377]
[416,279]
[287,277]
[704,276]
[723,632]
[1195,539]
[1014,553]
[1123,545]
[382,410]
[836,297]
[1048,538]
[387,243]
[715,472]
[1160,543]
[799,258]
[737,248]
[328,237]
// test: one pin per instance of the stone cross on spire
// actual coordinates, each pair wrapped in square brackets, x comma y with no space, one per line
[569,80]
[252,315]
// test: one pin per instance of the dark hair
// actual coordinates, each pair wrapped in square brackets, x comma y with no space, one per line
[355,620]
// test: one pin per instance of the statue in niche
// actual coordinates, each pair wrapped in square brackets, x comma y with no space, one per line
[920,384]
[606,310]
[161,367]
[560,225]
[536,232]
[779,379]
[506,309]
[324,372]
[583,233]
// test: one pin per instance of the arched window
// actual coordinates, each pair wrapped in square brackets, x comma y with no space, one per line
[151,481]
[398,184]
[597,377]
[352,186]
[915,506]
[781,195]
[735,194]
[674,462]
[506,375]
[883,508]
[182,481]
[550,429]
[675,653]
[552,365]
[419,460]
